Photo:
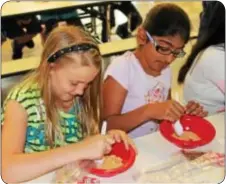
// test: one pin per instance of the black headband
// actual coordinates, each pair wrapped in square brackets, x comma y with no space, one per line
[73,48]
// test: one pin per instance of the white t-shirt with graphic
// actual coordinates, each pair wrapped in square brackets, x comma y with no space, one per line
[142,88]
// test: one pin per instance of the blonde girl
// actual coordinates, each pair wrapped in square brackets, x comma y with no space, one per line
[51,118]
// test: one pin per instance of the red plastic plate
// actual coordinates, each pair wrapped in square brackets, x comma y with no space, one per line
[127,156]
[203,128]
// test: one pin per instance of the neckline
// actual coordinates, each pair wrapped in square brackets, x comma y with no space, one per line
[70,111]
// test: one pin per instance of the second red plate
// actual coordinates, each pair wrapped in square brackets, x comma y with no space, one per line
[203,128]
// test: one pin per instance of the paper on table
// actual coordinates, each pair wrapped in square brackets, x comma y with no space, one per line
[180,169]
[69,173]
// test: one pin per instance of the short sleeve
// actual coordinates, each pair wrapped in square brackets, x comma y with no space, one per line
[119,70]
[14,94]
[22,96]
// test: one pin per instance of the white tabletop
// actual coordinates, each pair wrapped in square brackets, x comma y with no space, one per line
[15,8]
[153,149]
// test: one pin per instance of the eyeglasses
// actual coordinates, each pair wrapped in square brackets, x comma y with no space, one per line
[165,50]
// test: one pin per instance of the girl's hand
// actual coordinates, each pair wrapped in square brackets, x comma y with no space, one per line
[95,147]
[196,109]
[169,110]
[119,135]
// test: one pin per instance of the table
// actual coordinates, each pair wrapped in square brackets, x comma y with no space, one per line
[154,149]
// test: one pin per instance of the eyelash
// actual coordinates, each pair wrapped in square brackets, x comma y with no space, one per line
[74,84]
[164,48]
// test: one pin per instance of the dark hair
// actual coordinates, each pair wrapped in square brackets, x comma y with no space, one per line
[211,33]
[167,19]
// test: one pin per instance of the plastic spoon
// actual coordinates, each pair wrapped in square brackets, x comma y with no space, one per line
[178,128]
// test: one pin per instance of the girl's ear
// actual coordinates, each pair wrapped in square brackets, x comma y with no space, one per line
[141,36]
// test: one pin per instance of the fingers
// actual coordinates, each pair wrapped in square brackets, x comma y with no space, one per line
[119,136]
[188,107]
[179,107]
[170,117]
[175,111]
[128,141]
[204,114]
[191,107]
[108,148]
[109,139]
[195,108]
[124,138]
[198,111]
[107,142]
[174,114]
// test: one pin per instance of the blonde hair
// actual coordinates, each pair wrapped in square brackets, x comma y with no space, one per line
[89,104]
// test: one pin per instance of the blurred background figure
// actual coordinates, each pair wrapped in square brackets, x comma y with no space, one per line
[134,18]
[206,14]
[21,30]
[203,73]
[51,20]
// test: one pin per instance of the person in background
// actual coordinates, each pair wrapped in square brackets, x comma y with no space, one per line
[3,35]
[56,110]
[206,15]
[136,89]
[134,18]
[21,30]
[203,74]
[51,20]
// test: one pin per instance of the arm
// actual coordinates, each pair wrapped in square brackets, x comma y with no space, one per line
[113,99]
[15,163]
[18,166]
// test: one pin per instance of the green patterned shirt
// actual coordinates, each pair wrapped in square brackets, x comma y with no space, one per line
[29,97]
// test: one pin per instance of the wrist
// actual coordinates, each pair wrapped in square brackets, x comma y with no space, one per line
[77,151]
[151,111]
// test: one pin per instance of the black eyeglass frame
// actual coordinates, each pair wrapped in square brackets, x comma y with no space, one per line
[180,54]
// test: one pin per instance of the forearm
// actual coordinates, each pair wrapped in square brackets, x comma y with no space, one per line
[23,167]
[130,120]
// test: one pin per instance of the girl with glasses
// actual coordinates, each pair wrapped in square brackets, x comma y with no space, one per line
[136,89]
